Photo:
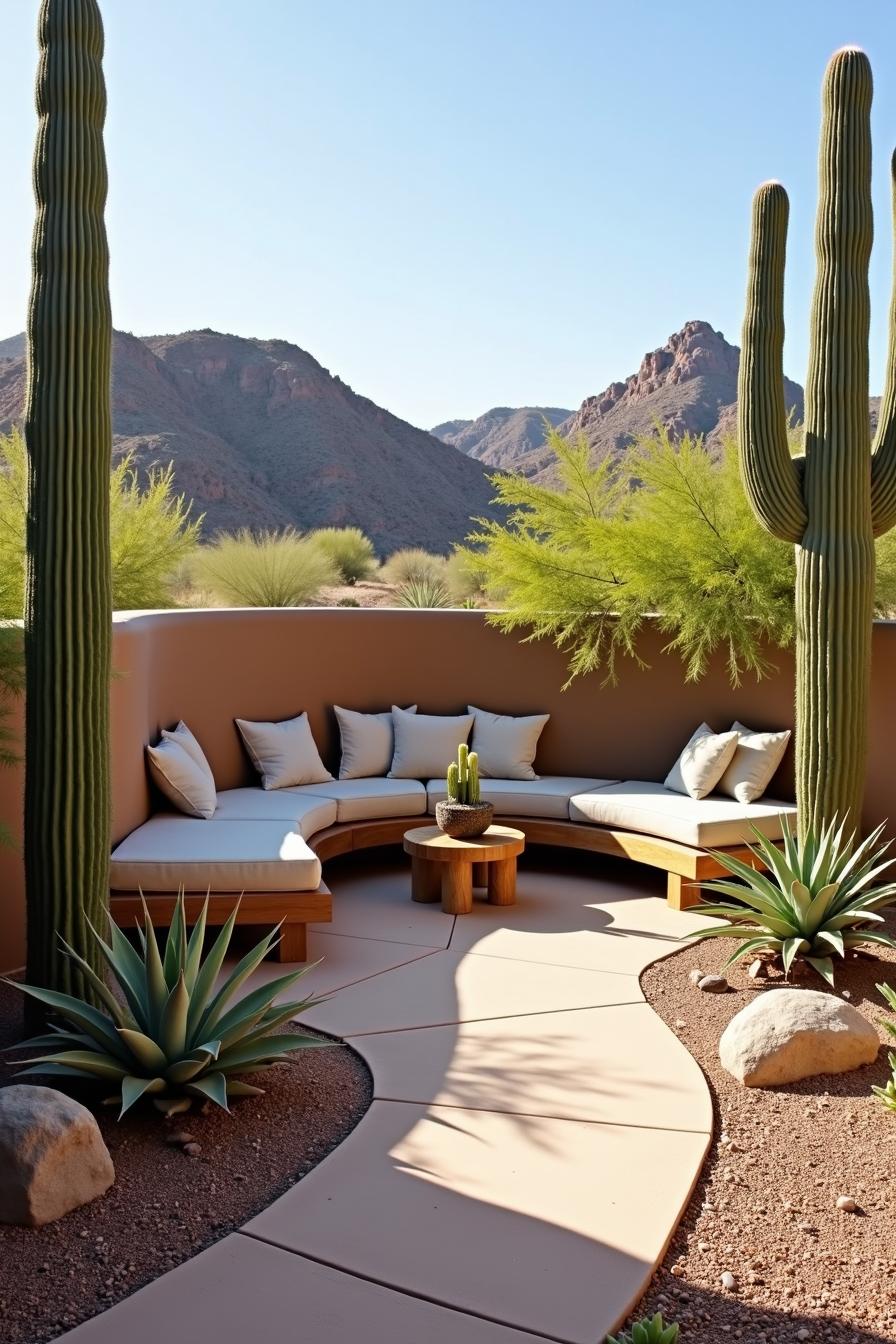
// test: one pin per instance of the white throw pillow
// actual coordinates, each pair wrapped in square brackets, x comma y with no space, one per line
[425,744]
[753,764]
[368,742]
[702,763]
[284,754]
[179,769]
[505,744]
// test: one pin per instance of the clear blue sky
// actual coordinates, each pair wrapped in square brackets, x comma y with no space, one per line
[454,204]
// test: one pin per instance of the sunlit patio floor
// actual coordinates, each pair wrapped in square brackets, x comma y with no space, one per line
[535,1133]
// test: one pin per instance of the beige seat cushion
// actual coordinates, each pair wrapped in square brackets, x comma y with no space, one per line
[639,805]
[168,852]
[307,814]
[545,797]
[370,799]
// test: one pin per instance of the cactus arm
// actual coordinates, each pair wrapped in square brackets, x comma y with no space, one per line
[452,782]
[473,770]
[771,477]
[883,462]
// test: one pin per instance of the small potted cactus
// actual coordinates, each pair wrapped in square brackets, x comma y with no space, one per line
[463,814]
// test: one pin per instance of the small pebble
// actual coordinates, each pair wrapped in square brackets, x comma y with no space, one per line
[804,1333]
[713,984]
[728,1281]
[192,1149]
[179,1138]
[696,975]
[847,1203]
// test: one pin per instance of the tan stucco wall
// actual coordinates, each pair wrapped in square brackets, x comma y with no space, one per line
[209,666]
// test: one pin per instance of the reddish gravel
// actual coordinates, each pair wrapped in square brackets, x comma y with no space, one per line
[765,1206]
[165,1205]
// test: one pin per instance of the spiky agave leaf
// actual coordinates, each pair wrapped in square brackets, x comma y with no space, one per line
[177,1038]
[652,1330]
[813,901]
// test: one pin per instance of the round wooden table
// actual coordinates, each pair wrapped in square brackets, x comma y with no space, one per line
[448,868]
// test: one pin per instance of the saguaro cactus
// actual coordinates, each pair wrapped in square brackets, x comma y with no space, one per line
[840,493]
[68,434]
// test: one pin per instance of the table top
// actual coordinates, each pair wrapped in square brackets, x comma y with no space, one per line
[498,842]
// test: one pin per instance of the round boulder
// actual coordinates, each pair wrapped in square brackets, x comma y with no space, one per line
[52,1156]
[788,1034]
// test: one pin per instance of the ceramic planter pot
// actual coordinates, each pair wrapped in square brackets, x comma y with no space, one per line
[464,820]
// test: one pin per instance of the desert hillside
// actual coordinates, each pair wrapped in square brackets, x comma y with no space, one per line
[262,436]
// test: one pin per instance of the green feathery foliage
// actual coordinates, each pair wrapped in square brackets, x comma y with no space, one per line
[887,1095]
[150,531]
[349,549]
[816,896]
[266,569]
[170,1033]
[665,531]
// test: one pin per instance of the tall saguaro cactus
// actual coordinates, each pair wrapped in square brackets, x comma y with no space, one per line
[834,499]
[68,434]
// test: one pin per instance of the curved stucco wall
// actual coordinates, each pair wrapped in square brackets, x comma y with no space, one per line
[209,666]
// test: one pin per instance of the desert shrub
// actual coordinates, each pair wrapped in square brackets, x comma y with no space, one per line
[411,565]
[422,592]
[666,530]
[348,602]
[349,549]
[265,569]
[151,532]
[464,576]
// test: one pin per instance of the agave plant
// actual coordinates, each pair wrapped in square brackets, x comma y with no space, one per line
[422,592]
[172,1035]
[652,1330]
[888,1094]
[816,898]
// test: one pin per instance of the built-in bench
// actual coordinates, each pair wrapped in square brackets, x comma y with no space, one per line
[269,845]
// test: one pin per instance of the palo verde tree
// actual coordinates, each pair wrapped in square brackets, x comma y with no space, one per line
[836,497]
[68,435]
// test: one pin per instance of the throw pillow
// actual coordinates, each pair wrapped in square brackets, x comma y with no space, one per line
[179,769]
[702,763]
[368,742]
[753,764]
[284,754]
[425,743]
[506,744]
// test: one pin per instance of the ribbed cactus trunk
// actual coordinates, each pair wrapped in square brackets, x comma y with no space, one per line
[68,434]
[833,500]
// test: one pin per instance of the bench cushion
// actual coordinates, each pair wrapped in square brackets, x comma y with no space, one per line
[168,852]
[639,805]
[545,797]
[307,814]
[370,799]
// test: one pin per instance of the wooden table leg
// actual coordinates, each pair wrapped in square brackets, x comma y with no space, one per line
[502,882]
[480,874]
[426,880]
[293,945]
[457,888]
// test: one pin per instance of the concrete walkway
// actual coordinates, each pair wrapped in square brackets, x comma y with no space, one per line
[535,1133]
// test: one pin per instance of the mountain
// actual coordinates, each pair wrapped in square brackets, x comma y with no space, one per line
[503,435]
[688,385]
[262,436]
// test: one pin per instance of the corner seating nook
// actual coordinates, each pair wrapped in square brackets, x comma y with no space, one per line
[269,845]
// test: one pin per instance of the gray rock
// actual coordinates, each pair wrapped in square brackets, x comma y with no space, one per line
[713,984]
[52,1156]
[788,1034]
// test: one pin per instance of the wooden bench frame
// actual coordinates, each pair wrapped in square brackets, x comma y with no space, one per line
[685,867]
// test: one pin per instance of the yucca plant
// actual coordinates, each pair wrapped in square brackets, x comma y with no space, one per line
[888,1094]
[816,898]
[171,1036]
[652,1330]
[423,593]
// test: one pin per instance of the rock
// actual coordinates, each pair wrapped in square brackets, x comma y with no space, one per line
[847,1204]
[192,1149]
[804,1333]
[52,1156]
[713,984]
[696,975]
[788,1034]
[756,968]
[179,1139]
[728,1281]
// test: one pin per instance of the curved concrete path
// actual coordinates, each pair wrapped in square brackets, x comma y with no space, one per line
[535,1133]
